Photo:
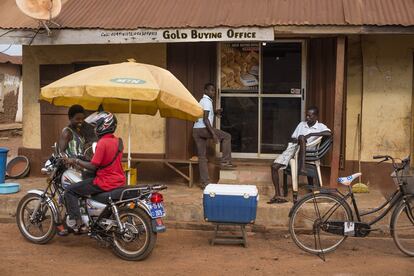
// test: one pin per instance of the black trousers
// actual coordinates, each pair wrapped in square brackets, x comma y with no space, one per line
[73,192]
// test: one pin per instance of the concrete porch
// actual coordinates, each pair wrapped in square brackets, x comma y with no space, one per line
[184,207]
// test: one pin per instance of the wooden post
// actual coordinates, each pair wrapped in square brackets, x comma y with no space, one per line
[339,93]
[412,125]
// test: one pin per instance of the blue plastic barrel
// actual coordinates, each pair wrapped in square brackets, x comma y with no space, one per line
[3,162]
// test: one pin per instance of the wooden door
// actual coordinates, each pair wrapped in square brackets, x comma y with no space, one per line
[322,92]
[52,118]
[194,64]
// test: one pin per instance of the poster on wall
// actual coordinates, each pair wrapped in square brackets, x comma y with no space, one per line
[239,67]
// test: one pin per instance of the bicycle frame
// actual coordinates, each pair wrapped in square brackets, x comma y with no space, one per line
[395,199]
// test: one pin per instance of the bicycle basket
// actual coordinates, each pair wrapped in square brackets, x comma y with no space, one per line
[407,176]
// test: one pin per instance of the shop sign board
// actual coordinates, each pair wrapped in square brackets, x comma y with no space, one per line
[100,36]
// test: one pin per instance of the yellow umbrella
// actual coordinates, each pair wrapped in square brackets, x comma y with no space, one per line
[150,88]
[127,87]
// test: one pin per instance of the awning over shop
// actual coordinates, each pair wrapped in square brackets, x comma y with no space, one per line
[10,59]
[133,14]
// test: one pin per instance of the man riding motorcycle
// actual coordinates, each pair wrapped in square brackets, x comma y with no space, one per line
[106,162]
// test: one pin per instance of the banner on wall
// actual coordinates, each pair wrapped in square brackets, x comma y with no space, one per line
[239,67]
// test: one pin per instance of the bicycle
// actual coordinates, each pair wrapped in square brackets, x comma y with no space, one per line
[331,219]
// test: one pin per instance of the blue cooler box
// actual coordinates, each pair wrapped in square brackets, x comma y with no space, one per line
[230,203]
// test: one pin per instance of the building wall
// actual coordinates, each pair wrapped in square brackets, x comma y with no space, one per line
[10,76]
[353,99]
[380,70]
[147,131]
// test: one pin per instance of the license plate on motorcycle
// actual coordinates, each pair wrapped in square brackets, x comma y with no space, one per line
[157,210]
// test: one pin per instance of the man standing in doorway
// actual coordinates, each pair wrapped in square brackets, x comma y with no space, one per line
[305,132]
[203,130]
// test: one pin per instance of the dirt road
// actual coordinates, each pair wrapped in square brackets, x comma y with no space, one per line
[184,252]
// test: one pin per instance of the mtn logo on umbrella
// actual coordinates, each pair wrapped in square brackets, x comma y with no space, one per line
[128,81]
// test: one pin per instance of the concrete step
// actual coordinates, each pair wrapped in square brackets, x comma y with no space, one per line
[250,173]
[255,173]
[10,126]
[247,173]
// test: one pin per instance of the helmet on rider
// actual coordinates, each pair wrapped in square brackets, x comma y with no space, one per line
[104,122]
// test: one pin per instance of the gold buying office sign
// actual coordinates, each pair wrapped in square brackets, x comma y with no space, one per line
[100,36]
[218,34]
[191,35]
[188,35]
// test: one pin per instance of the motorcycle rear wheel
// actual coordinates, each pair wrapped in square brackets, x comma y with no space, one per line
[42,228]
[134,246]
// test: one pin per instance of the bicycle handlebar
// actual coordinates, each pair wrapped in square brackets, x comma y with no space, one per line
[379,156]
[394,165]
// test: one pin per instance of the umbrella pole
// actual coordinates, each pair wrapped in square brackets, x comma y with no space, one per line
[129,142]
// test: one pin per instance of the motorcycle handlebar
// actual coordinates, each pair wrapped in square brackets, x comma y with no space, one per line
[150,188]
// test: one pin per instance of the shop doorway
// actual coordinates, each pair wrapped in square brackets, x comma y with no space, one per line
[262,93]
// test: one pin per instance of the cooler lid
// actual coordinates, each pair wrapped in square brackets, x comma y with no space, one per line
[225,189]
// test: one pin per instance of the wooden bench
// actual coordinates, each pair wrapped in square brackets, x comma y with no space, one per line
[170,163]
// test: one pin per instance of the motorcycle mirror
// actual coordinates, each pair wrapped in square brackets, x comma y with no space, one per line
[56,149]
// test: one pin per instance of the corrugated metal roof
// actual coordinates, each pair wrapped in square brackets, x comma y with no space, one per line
[132,14]
[379,12]
[10,59]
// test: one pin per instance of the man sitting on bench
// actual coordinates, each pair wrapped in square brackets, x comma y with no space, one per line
[307,131]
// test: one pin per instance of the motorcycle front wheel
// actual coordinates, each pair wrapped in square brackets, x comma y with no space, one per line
[35,219]
[138,239]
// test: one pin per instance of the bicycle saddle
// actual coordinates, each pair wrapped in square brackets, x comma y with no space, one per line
[347,180]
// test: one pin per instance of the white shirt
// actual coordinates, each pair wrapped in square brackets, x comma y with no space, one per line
[207,104]
[304,129]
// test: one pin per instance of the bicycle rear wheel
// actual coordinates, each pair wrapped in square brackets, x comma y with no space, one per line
[402,226]
[309,218]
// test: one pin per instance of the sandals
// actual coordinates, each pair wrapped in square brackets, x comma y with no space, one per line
[277,200]
[61,230]
[80,229]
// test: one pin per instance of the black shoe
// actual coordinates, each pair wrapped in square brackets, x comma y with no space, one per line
[295,197]
[277,200]
[203,185]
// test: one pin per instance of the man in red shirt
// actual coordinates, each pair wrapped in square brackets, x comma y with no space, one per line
[106,162]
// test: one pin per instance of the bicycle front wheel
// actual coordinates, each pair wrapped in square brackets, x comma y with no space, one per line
[402,226]
[309,218]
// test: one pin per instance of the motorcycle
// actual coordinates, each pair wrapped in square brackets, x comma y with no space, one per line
[126,219]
